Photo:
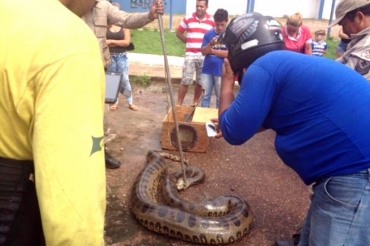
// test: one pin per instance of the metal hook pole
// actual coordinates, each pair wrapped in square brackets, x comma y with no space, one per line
[168,78]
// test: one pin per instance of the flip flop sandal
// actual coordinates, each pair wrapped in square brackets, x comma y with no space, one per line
[133,107]
[113,107]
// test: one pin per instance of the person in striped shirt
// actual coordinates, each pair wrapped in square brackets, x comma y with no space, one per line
[319,46]
[195,26]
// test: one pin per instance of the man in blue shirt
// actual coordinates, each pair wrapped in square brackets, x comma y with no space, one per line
[319,111]
[214,58]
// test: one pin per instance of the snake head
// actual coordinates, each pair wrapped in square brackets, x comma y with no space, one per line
[181,184]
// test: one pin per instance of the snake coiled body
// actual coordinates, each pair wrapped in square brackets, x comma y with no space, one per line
[222,220]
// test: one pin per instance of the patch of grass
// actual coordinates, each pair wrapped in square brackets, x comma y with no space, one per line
[141,80]
[148,41]
[332,46]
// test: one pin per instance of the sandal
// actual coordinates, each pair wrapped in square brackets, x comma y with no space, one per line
[113,107]
[133,107]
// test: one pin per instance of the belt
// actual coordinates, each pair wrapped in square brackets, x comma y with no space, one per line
[18,204]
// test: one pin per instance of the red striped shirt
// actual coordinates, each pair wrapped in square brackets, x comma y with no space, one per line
[195,30]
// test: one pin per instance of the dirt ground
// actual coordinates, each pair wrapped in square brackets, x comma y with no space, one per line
[253,171]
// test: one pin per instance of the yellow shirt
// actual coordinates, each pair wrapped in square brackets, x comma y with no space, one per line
[51,111]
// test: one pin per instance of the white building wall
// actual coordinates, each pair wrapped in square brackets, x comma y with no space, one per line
[307,8]
[276,8]
[234,7]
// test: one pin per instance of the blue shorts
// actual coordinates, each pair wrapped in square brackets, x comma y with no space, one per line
[342,47]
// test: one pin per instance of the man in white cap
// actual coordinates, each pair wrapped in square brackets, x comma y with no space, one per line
[354,17]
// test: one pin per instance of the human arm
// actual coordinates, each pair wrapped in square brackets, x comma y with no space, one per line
[325,49]
[208,48]
[180,35]
[123,42]
[68,150]
[132,20]
[341,34]
[308,48]
[155,9]
[307,36]
[220,53]
[207,42]
[241,117]
[227,86]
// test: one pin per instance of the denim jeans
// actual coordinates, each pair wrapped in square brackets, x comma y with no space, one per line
[209,81]
[339,213]
[119,63]
[342,47]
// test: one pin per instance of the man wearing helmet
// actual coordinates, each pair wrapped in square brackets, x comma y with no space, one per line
[322,133]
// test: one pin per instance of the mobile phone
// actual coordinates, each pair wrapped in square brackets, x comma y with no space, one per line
[113,82]
[211,129]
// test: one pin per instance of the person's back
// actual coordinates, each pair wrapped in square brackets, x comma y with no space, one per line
[317,107]
[52,100]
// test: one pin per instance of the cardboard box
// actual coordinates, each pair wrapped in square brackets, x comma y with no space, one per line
[192,131]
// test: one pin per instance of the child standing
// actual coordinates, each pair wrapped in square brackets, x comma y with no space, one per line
[319,46]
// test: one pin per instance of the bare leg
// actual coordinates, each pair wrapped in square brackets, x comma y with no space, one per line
[183,89]
[198,90]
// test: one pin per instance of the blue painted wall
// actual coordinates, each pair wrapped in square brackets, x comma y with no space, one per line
[178,6]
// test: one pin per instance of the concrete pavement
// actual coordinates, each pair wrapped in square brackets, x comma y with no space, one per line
[153,66]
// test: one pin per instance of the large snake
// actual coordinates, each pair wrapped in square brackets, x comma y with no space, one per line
[222,220]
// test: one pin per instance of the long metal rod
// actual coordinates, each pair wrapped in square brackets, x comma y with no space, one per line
[168,78]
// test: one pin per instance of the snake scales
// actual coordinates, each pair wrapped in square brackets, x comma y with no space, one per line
[222,220]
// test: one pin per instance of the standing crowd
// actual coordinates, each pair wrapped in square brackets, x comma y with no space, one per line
[52,153]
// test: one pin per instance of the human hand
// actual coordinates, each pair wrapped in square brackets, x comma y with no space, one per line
[219,133]
[213,41]
[155,9]
[227,76]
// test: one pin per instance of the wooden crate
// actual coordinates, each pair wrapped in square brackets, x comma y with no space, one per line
[193,133]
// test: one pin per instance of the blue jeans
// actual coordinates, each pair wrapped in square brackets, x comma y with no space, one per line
[342,47]
[339,212]
[209,81]
[119,63]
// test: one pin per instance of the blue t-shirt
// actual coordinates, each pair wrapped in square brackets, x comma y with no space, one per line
[212,64]
[319,109]
[318,48]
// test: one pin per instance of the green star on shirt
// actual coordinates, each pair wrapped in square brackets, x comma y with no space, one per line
[96,144]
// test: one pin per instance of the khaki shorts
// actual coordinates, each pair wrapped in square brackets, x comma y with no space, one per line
[192,63]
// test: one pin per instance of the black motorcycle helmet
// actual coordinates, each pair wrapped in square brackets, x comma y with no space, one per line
[249,37]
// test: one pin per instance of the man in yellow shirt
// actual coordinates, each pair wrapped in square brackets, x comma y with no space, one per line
[51,125]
